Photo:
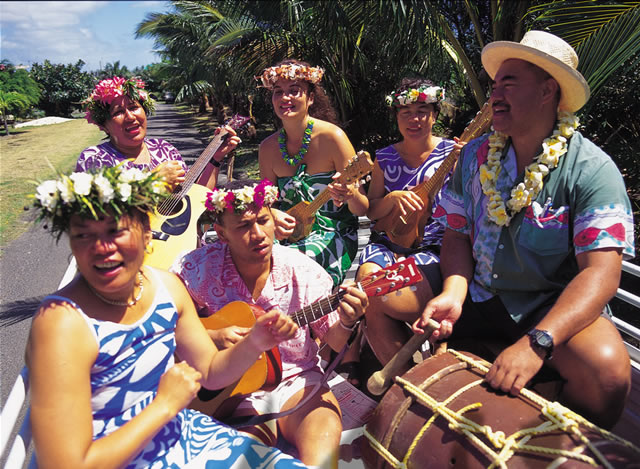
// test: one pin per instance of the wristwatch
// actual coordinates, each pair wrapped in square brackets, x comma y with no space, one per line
[215,162]
[542,340]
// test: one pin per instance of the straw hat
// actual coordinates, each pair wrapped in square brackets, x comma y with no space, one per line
[551,54]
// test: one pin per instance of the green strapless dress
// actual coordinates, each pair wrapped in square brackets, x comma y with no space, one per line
[333,241]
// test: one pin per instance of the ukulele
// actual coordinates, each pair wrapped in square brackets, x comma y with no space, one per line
[407,231]
[174,221]
[305,212]
[267,370]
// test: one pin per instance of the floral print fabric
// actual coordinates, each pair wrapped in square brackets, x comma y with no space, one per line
[583,206]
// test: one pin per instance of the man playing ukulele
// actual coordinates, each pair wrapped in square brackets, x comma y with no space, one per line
[244,264]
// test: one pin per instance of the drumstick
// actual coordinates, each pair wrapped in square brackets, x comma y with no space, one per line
[380,381]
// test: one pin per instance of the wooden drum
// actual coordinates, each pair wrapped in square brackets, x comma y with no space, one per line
[441,414]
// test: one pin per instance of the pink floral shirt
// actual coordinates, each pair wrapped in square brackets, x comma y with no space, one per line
[295,281]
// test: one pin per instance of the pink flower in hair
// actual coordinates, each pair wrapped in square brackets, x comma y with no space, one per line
[229,198]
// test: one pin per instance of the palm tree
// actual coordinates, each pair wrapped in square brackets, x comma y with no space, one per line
[12,100]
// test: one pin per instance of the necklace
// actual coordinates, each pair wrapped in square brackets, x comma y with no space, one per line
[121,303]
[524,193]
[306,139]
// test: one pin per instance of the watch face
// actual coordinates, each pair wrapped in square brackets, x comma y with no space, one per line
[544,339]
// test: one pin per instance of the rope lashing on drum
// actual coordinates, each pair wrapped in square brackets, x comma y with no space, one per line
[563,418]
[559,418]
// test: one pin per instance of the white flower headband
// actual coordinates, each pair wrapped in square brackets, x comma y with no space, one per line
[290,72]
[424,94]
[258,195]
[108,191]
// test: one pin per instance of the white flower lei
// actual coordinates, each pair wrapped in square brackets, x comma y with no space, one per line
[523,194]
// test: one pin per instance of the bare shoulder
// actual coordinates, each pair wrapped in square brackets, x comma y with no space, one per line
[269,145]
[56,324]
[328,130]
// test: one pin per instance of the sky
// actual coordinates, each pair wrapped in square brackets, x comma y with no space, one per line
[97,32]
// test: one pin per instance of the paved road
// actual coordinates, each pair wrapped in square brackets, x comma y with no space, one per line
[34,265]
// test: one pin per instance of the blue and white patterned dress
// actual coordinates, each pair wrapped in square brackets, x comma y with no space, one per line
[125,378]
[398,176]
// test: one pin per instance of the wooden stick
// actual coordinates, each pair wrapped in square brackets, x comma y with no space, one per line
[380,381]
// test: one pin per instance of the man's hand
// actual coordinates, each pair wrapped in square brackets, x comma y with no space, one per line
[272,328]
[445,309]
[515,367]
[353,305]
[227,336]
[284,224]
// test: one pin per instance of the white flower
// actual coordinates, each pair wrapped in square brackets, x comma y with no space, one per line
[132,175]
[65,186]
[47,194]
[124,189]
[105,190]
[217,199]
[271,194]
[158,187]
[81,183]
[245,196]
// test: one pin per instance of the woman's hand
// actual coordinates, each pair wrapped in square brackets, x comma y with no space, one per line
[179,386]
[230,143]
[406,201]
[172,172]
[284,222]
[227,336]
[342,193]
[272,328]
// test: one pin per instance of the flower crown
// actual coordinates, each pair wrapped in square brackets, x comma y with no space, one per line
[110,191]
[424,94]
[239,200]
[97,104]
[290,72]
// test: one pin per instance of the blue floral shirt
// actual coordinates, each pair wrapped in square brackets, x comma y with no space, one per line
[583,206]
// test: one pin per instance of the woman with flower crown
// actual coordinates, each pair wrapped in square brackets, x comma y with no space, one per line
[120,107]
[398,168]
[303,158]
[105,389]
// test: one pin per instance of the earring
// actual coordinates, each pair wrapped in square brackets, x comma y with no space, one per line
[149,248]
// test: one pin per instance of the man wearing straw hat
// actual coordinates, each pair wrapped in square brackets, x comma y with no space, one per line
[538,222]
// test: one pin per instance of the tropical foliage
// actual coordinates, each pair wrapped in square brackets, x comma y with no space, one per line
[18,92]
[214,48]
[63,86]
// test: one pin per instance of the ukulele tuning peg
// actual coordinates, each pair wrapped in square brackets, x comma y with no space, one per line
[384,298]
[378,290]
[413,288]
[368,178]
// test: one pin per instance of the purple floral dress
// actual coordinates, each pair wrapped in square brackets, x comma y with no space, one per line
[398,176]
[106,155]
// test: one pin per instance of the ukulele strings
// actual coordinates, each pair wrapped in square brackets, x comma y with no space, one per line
[330,302]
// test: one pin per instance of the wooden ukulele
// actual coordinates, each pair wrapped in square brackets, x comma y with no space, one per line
[305,212]
[408,230]
[174,221]
[267,369]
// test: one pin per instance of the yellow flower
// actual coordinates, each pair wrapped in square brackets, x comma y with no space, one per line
[413,94]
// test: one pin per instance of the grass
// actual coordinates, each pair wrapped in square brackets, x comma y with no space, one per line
[33,154]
